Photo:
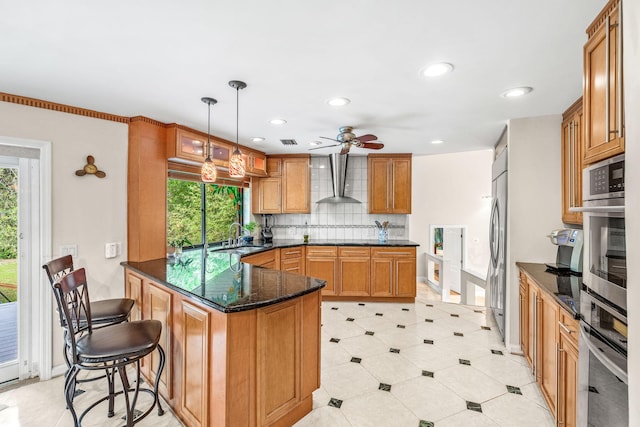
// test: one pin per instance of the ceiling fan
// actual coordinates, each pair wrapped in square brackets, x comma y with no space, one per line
[347,138]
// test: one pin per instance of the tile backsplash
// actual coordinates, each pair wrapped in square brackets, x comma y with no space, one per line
[338,221]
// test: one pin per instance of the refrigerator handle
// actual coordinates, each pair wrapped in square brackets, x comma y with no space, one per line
[494,239]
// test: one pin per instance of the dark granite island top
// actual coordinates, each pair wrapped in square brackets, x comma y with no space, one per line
[222,282]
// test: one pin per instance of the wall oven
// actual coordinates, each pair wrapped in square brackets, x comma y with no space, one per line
[602,370]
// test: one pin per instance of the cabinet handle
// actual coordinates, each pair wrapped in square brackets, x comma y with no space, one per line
[559,375]
[393,253]
[565,327]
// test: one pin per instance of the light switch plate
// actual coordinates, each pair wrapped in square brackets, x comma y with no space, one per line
[111,250]
[68,250]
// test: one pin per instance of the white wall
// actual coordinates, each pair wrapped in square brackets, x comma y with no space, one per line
[533,205]
[449,189]
[86,211]
[631,34]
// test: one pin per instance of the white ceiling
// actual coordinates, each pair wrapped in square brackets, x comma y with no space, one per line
[158,58]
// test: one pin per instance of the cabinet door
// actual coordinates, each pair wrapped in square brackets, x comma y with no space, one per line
[532,324]
[547,341]
[405,277]
[572,166]
[524,315]
[378,179]
[296,185]
[274,166]
[604,116]
[259,163]
[324,268]
[382,272]
[355,276]
[133,290]
[269,196]
[157,306]
[187,145]
[567,381]
[194,345]
[400,191]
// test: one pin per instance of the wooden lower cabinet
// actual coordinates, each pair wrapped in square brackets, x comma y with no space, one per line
[251,368]
[133,290]
[293,260]
[355,270]
[267,259]
[567,381]
[393,272]
[157,305]
[548,348]
[194,338]
[322,262]
[549,339]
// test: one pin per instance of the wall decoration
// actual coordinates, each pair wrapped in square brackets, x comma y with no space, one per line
[90,169]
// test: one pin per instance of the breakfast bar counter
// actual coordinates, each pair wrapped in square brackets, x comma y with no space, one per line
[242,342]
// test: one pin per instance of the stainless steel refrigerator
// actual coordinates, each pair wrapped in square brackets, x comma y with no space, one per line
[498,240]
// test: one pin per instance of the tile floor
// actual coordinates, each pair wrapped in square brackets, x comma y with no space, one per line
[416,365]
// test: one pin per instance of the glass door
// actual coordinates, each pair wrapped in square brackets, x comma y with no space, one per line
[8,269]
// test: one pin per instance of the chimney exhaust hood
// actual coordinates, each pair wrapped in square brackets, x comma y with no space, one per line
[338,164]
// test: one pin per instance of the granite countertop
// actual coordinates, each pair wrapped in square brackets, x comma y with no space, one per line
[565,288]
[221,281]
[259,246]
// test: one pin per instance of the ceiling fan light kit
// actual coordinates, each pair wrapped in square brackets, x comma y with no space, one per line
[347,138]
[208,173]
[237,167]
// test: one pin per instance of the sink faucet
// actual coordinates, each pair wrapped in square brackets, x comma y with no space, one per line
[237,228]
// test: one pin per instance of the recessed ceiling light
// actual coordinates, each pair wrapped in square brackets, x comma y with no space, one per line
[338,102]
[438,69]
[257,139]
[315,143]
[277,121]
[517,91]
[437,141]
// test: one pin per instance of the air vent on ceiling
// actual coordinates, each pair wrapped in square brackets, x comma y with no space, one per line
[288,142]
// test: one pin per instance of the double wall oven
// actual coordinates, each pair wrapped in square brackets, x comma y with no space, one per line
[602,370]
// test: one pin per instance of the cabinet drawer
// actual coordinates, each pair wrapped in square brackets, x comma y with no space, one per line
[289,253]
[393,252]
[568,326]
[262,259]
[354,251]
[322,251]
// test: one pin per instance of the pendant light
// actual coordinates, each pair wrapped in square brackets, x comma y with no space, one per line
[236,163]
[209,172]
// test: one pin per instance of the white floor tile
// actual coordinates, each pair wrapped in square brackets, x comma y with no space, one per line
[470,384]
[428,399]
[504,370]
[515,410]
[325,416]
[468,418]
[378,409]
[348,380]
[391,368]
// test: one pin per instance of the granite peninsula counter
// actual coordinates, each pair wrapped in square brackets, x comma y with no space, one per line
[242,342]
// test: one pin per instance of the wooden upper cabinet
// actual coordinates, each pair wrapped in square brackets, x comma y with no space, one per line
[287,189]
[603,103]
[389,181]
[296,185]
[255,162]
[190,147]
[572,163]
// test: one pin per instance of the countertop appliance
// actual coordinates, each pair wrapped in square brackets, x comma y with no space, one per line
[265,233]
[497,275]
[569,257]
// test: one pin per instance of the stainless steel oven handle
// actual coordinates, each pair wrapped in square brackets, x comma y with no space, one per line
[597,209]
[612,367]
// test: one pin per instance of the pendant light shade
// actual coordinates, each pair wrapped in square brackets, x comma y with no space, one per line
[237,167]
[209,173]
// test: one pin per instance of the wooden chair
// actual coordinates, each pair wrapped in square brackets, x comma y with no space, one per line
[110,348]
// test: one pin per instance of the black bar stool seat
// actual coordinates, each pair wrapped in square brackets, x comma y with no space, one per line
[125,341]
[111,311]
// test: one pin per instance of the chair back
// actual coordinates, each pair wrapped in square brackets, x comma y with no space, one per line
[58,267]
[72,297]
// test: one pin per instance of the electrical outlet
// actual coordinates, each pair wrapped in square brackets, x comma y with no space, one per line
[112,250]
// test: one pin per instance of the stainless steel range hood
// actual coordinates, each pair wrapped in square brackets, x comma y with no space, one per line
[338,164]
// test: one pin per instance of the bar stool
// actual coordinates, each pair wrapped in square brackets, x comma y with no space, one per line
[104,312]
[110,348]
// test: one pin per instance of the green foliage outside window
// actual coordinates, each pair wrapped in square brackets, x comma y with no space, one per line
[8,213]
[184,218]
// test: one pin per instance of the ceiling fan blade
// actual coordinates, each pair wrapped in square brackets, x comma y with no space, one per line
[366,138]
[371,145]
[324,146]
[331,139]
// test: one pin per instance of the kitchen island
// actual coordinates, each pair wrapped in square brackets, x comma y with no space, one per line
[242,342]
